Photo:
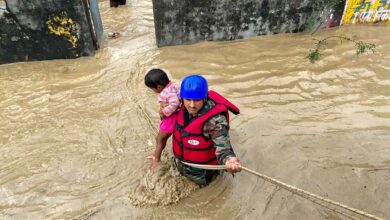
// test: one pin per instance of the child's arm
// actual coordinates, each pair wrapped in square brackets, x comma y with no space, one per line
[161,142]
[172,105]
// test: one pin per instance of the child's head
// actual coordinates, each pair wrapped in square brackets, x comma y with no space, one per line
[156,79]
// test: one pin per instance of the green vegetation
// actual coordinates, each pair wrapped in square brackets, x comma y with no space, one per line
[361,47]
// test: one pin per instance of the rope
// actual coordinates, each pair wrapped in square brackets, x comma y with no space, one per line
[287,187]
[272,180]
[148,119]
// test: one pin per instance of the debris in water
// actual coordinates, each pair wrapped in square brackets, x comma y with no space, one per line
[113,34]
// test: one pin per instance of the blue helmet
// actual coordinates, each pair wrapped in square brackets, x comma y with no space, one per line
[194,87]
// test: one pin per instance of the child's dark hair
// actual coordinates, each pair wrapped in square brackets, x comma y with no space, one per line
[156,77]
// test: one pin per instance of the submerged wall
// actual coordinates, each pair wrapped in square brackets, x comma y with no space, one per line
[44,29]
[189,21]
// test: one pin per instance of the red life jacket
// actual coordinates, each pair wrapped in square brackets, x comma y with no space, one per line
[189,144]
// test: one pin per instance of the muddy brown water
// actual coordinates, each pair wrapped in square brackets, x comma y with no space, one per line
[74,134]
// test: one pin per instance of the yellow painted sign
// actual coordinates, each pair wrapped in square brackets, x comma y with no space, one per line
[366,11]
[63,26]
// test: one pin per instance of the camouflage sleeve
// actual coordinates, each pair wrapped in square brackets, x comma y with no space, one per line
[216,129]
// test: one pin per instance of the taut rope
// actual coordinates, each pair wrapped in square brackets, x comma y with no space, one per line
[274,181]
[287,187]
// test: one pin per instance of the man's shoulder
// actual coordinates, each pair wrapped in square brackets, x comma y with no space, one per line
[219,118]
[215,118]
[216,127]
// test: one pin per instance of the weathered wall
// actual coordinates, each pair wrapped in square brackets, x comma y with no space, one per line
[189,21]
[43,29]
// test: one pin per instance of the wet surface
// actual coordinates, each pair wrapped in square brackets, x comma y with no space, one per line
[74,134]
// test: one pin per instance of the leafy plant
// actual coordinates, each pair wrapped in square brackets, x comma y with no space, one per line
[361,47]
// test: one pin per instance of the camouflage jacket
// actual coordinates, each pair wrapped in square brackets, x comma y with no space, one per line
[216,128]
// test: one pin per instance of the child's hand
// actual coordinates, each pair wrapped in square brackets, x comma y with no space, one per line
[163,105]
[155,162]
[160,112]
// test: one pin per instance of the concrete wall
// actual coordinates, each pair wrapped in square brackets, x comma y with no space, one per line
[189,21]
[43,29]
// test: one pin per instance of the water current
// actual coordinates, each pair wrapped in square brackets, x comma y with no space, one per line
[74,134]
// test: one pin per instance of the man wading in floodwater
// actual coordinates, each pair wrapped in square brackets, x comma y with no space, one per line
[201,133]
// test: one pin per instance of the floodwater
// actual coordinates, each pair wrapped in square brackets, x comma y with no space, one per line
[74,134]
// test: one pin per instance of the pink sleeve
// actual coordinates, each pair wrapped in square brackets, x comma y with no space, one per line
[173,105]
